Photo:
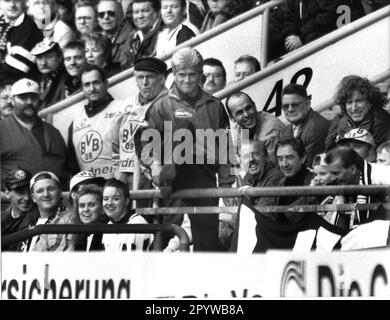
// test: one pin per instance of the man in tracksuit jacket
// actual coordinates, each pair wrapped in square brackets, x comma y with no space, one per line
[186,106]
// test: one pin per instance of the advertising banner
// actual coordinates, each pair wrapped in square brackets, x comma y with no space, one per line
[131,275]
[334,274]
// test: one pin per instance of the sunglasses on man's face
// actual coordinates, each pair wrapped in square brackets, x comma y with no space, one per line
[102,14]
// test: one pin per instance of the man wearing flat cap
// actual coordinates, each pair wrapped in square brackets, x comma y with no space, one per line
[49,60]
[21,212]
[150,78]
[26,140]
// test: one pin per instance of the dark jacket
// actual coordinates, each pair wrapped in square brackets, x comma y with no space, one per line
[318,17]
[25,35]
[55,91]
[313,133]
[11,225]
[146,47]
[232,9]
[19,147]
[206,113]
[184,34]
[121,45]
[96,244]
[270,176]
[112,69]
[377,122]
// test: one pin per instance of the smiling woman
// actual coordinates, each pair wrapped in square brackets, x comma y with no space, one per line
[116,201]
[98,52]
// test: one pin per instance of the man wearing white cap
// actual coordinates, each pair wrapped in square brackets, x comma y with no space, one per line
[361,141]
[27,141]
[46,193]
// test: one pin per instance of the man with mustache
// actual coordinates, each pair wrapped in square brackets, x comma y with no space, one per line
[26,140]
[305,123]
[214,75]
[89,131]
[52,72]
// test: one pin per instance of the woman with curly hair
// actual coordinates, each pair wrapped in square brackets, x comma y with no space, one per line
[362,106]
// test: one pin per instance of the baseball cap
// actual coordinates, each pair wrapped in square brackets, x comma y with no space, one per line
[45,46]
[84,176]
[24,86]
[43,175]
[358,134]
[17,178]
[150,64]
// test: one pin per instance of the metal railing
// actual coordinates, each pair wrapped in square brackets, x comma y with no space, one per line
[303,208]
[98,228]
[265,192]
[190,43]
[307,50]
[258,192]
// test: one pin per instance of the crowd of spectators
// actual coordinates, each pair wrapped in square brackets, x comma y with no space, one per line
[52,49]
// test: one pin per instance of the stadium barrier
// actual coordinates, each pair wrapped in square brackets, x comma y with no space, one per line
[98,228]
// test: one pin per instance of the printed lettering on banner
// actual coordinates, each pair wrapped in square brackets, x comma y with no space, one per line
[131,275]
[69,276]
[331,274]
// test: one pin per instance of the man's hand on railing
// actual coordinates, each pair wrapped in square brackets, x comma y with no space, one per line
[292,43]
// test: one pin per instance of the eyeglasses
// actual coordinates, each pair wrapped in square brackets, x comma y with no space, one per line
[102,14]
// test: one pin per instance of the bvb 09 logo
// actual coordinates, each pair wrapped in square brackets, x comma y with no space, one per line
[90,146]
[293,279]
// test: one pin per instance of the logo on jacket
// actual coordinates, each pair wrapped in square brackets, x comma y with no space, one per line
[182,114]
[90,146]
